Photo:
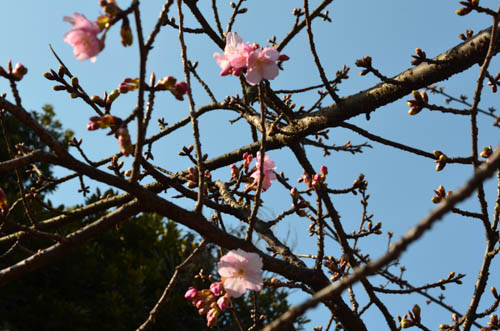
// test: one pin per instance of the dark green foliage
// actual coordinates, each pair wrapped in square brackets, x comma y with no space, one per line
[110,283]
[18,133]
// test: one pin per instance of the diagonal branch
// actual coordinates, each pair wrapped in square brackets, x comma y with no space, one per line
[454,61]
[396,250]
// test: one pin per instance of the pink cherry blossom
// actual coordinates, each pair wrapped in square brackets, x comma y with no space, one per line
[269,174]
[224,63]
[234,59]
[83,37]
[237,51]
[240,271]
[261,64]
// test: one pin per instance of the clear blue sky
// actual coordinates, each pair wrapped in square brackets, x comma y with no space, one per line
[400,184]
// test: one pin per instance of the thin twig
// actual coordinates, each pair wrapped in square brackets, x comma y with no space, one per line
[173,281]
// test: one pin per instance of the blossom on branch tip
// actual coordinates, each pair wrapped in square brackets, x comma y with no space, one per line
[262,65]
[240,271]
[269,174]
[234,59]
[83,37]
[240,56]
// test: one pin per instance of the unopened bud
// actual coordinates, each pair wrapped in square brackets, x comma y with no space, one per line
[59,88]
[126,33]
[74,82]
[47,75]
[463,11]
[19,71]
[494,292]
[112,96]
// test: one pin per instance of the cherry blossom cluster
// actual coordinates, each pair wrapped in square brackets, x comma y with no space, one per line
[193,177]
[117,126]
[168,83]
[83,37]
[254,173]
[240,57]
[240,271]
[209,301]
[317,181]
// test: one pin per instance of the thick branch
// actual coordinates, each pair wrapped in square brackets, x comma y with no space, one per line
[453,61]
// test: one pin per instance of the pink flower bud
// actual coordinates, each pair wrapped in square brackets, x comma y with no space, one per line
[294,193]
[199,303]
[317,181]
[191,293]
[124,141]
[306,179]
[234,172]
[128,84]
[324,170]
[94,123]
[216,288]
[166,83]
[283,57]
[179,89]
[19,71]
[247,159]
[223,302]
